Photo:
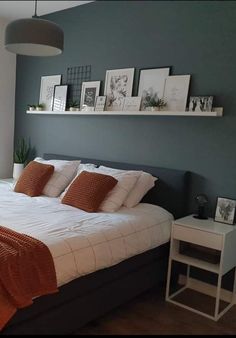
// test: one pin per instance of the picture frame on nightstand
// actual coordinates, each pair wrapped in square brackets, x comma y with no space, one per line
[225,210]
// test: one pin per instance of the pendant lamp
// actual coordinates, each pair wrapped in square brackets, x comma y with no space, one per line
[35,37]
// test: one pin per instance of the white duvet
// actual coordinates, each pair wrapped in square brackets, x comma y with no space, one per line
[82,242]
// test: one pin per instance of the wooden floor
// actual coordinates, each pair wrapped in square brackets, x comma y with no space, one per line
[149,314]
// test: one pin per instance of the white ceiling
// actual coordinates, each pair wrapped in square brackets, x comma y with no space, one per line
[12,10]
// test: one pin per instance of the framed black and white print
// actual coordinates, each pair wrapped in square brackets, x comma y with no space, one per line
[100,103]
[59,98]
[47,90]
[118,85]
[176,92]
[225,210]
[151,84]
[200,103]
[90,90]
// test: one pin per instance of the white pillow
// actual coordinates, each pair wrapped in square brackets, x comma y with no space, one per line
[64,172]
[126,181]
[144,183]
[82,167]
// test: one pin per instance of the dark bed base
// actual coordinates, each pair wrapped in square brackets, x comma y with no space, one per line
[89,297]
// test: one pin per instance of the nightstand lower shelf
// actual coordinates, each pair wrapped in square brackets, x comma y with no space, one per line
[217,312]
[206,306]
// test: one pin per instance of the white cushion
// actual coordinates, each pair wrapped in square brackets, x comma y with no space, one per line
[126,181]
[64,172]
[82,167]
[144,183]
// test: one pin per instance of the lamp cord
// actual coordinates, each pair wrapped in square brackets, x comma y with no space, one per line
[35,10]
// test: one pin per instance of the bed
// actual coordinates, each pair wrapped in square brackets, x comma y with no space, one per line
[112,277]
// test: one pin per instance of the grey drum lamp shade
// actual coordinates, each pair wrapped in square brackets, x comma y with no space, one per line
[36,37]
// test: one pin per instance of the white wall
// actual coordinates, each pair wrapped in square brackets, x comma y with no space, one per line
[7,105]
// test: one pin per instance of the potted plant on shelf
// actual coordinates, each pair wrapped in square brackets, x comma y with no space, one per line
[31,107]
[40,106]
[73,106]
[154,103]
[21,154]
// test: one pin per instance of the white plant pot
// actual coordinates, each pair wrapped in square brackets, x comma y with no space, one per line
[17,170]
[31,108]
[39,108]
[74,109]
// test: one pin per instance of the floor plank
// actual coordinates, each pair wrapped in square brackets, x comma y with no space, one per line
[149,314]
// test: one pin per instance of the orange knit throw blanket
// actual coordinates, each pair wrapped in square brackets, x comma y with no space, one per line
[26,271]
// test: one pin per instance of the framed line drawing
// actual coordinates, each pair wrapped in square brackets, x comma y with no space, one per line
[60,97]
[47,90]
[90,90]
[118,85]
[176,92]
[152,84]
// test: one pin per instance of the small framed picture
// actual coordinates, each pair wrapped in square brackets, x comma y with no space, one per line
[225,210]
[132,103]
[100,103]
[200,103]
[59,98]
[90,90]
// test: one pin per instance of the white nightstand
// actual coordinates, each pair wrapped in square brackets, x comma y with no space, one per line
[219,239]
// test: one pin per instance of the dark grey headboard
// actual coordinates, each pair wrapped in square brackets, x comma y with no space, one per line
[170,191]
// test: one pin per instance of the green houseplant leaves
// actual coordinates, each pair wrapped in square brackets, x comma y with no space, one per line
[21,152]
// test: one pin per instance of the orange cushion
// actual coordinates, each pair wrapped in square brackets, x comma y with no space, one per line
[89,190]
[33,179]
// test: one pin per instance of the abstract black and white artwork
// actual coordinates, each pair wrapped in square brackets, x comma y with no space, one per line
[118,85]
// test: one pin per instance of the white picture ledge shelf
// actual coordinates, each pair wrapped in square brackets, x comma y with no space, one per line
[218,111]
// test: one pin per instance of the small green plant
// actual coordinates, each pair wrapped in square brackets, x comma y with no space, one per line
[40,105]
[73,104]
[31,106]
[155,102]
[21,152]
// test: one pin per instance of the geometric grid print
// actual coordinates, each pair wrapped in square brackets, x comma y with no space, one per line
[75,77]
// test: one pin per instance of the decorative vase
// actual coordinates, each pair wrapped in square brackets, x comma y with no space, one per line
[17,170]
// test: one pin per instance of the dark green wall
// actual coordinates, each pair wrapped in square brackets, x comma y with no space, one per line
[193,37]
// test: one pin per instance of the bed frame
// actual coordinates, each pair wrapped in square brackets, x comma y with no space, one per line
[89,297]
